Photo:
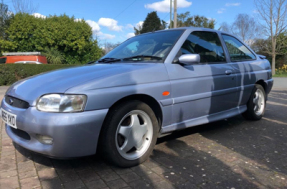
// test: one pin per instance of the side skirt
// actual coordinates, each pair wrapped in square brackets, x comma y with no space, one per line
[204,119]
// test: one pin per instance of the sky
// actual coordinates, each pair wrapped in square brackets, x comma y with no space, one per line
[114,20]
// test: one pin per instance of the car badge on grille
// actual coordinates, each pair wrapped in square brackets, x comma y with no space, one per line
[11,101]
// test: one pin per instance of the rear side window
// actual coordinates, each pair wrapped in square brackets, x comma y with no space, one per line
[2,60]
[206,44]
[237,50]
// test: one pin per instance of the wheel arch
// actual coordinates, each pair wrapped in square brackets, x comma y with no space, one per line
[152,102]
[263,84]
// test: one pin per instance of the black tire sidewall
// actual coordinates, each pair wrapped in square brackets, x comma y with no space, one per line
[108,141]
[250,113]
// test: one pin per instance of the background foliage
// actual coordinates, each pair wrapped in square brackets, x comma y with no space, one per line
[186,20]
[150,24]
[10,73]
[63,38]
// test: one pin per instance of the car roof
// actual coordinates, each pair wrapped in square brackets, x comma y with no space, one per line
[191,28]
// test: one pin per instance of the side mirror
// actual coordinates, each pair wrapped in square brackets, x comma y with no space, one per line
[262,56]
[189,59]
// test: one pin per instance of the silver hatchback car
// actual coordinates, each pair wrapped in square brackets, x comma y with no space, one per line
[151,84]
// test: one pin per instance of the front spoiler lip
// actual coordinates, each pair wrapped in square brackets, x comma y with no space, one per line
[49,156]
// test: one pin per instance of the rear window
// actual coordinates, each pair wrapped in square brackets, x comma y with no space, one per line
[237,50]
[3,60]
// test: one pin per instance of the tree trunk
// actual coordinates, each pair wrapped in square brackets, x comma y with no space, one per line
[273,63]
[274,41]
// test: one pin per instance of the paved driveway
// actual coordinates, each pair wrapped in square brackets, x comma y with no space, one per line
[232,153]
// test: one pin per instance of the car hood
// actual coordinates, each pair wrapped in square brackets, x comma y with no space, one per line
[89,77]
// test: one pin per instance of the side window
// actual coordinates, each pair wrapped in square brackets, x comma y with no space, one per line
[237,50]
[2,60]
[206,44]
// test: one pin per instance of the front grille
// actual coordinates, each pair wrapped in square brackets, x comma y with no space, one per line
[21,134]
[15,102]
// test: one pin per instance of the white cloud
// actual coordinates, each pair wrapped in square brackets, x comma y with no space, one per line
[105,36]
[94,25]
[78,20]
[139,25]
[38,15]
[220,11]
[110,23]
[108,36]
[130,26]
[164,6]
[232,4]
[129,35]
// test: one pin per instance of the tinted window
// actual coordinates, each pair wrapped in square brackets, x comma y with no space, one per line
[237,51]
[2,60]
[152,44]
[206,44]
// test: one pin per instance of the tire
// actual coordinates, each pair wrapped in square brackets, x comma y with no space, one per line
[129,134]
[256,104]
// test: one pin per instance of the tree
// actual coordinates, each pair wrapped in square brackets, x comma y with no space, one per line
[163,25]
[261,46]
[138,29]
[53,56]
[24,6]
[225,27]
[264,46]
[5,18]
[73,39]
[245,27]
[185,20]
[273,16]
[110,46]
[151,23]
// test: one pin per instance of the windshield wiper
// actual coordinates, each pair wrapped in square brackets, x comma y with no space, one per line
[107,60]
[92,62]
[141,57]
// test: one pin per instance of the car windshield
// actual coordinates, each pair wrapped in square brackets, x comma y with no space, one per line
[147,47]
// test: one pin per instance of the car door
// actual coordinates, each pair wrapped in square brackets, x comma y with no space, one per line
[203,89]
[245,65]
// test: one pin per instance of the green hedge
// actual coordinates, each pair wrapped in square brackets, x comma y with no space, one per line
[10,73]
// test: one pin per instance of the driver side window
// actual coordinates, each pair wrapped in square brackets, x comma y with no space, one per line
[206,44]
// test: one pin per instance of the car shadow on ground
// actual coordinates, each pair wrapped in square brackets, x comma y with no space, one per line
[232,153]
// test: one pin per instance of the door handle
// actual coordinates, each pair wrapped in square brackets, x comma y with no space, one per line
[228,72]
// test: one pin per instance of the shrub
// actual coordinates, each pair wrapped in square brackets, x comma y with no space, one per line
[282,70]
[53,56]
[10,73]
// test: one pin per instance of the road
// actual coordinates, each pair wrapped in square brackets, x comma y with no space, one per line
[232,153]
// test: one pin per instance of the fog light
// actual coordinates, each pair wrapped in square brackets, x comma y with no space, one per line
[45,139]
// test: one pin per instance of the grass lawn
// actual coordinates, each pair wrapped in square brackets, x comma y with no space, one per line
[280,75]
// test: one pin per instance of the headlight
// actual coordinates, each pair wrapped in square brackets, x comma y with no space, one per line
[61,103]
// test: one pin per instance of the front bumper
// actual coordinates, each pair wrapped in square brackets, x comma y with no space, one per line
[74,134]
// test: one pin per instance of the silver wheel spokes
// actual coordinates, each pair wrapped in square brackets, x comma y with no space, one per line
[258,101]
[134,134]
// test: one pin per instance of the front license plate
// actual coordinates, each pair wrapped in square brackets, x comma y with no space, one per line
[8,118]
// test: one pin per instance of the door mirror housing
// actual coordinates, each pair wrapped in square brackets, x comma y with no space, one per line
[262,56]
[189,59]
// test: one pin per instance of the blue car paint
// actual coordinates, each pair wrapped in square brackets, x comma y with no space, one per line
[200,93]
